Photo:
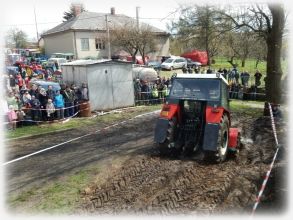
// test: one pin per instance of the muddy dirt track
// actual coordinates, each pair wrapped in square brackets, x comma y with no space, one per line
[143,182]
[150,184]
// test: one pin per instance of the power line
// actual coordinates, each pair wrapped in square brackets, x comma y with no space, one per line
[100,16]
[39,23]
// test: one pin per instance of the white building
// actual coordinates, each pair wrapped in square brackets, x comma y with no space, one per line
[86,36]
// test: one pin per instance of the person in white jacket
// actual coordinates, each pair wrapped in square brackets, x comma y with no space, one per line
[50,109]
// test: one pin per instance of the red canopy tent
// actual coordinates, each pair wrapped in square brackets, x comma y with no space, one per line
[197,55]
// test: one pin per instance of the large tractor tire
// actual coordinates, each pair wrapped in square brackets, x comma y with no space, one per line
[166,147]
[223,140]
[220,154]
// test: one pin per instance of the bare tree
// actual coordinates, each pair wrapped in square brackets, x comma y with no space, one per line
[242,45]
[146,41]
[125,37]
[259,51]
[16,38]
[134,40]
[268,22]
[200,27]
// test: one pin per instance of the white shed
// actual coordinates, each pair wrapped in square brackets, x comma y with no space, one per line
[110,83]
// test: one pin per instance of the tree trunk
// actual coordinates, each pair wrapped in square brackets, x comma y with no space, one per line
[231,61]
[243,63]
[134,56]
[274,43]
[143,59]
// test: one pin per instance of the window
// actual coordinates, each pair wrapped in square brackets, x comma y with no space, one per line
[100,44]
[196,89]
[85,44]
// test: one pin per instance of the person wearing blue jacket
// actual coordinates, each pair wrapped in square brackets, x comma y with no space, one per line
[59,105]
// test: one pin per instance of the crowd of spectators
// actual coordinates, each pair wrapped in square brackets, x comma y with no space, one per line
[241,85]
[147,92]
[26,102]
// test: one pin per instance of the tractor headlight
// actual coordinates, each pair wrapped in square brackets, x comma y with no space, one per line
[164,113]
[215,109]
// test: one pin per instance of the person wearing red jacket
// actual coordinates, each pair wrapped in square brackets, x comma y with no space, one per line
[19,80]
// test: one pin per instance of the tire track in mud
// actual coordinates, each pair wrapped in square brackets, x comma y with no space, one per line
[148,184]
[151,185]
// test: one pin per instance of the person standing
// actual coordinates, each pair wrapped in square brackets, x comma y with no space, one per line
[35,105]
[84,92]
[144,90]
[209,71]
[50,92]
[74,90]
[160,87]
[12,100]
[59,105]
[26,98]
[12,117]
[236,75]
[257,76]
[19,80]
[12,81]
[69,101]
[246,78]
[225,72]
[50,110]
[43,98]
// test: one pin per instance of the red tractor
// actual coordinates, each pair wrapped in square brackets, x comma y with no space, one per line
[196,118]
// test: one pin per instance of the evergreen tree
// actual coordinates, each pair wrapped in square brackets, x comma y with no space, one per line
[73,11]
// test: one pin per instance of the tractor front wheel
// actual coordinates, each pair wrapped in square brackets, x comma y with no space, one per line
[222,143]
[168,146]
[223,139]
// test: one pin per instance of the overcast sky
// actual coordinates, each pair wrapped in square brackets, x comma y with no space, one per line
[49,13]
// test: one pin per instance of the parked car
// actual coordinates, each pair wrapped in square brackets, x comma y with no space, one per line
[12,70]
[164,58]
[13,58]
[155,64]
[192,64]
[46,84]
[174,63]
[57,62]
[67,56]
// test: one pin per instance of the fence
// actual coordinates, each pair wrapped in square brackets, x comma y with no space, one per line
[82,109]
[148,98]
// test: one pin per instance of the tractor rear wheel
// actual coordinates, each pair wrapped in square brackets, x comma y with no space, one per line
[223,139]
[167,147]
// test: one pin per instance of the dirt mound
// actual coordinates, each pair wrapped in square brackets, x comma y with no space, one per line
[149,184]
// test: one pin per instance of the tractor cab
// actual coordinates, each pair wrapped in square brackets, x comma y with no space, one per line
[196,117]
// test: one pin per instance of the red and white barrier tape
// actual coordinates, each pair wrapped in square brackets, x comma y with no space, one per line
[263,186]
[44,121]
[273,124]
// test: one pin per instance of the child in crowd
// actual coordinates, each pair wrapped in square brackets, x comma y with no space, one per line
[50,109]
[12,117]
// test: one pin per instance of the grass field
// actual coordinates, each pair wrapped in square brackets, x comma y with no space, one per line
[78,122]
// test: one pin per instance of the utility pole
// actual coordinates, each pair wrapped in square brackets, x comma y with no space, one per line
[36,24]
[108,36]
[137,17]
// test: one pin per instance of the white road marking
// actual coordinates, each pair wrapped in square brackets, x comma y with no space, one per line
[57,145]
[40,151]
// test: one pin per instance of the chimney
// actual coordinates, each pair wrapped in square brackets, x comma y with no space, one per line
[77,9]
[112,11]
